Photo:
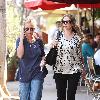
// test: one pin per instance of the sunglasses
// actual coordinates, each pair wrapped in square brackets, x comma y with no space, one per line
[67,21]
[31,29]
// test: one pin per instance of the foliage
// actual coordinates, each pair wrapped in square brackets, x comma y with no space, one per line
[12,27]
[12,62]
[13,30]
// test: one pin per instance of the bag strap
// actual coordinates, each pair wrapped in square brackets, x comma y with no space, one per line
[59,33]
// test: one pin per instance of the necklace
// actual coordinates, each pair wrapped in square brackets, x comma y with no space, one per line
[31,42]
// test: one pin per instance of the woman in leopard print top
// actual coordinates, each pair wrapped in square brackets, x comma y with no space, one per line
[68,63]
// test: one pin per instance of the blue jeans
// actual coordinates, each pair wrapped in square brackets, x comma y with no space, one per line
[31,90]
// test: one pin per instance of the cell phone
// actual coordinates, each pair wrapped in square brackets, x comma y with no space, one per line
[25,30]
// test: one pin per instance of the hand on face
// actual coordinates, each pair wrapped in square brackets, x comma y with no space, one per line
[35,35]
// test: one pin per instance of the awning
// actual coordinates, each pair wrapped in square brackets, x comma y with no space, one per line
[43,4]
[88,5]
[77,1]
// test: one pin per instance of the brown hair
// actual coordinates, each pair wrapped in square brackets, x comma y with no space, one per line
[75,28]
[87,37]
[57,22]
[71,17]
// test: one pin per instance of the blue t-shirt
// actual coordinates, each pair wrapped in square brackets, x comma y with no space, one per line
[87,51]
[29,64]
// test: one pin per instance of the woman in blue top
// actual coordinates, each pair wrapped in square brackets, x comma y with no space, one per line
[30,52]
[87,49]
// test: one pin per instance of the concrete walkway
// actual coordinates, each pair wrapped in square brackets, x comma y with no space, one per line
[49,91]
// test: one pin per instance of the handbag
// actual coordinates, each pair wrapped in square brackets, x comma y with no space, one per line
[51,56]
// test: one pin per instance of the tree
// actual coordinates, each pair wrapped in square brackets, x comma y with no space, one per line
[3,68]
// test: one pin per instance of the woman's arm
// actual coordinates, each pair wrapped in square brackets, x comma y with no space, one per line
[20,47]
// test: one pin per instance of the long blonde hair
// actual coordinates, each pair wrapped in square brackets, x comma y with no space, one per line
[29,20]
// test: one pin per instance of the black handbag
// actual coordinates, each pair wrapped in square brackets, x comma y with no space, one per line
[51,56]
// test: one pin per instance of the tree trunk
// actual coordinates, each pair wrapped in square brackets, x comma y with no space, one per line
[3,67]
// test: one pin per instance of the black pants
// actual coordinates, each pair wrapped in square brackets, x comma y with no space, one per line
[61,85]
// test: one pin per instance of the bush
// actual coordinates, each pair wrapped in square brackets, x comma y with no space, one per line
[12,64]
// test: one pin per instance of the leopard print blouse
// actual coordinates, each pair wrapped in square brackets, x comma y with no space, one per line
[68,60]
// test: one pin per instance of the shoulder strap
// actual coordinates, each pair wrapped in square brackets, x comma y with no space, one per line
[59,33]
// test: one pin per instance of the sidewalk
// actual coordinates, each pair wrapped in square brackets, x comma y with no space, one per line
[49,91]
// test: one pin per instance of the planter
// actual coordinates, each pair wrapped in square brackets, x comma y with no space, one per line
[11,74]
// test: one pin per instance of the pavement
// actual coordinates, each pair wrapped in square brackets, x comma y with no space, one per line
[49,90]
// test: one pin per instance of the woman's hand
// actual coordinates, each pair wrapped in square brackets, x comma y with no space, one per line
[42,64]
[35,35]
[54,43]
